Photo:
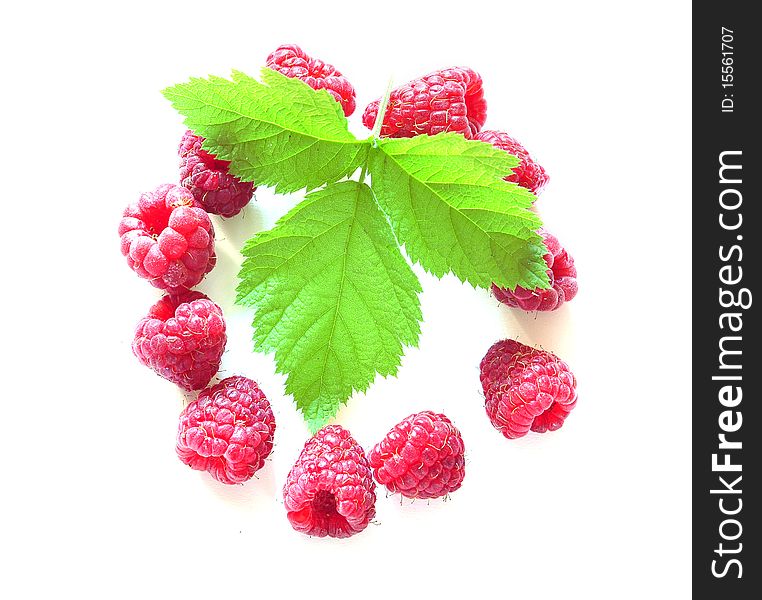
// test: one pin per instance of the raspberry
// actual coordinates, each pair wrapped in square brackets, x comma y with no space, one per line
[207,177]
[528,173]
[292,61]
[447,100]
[168,238]
[421,457]
[330,489]
[228,430]
[563,281]
[182,338]
[526,389]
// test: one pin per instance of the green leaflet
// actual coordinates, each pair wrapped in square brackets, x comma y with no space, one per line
[279,132]
[335,300]
[449,206]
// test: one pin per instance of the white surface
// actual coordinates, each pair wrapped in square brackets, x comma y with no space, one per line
[97,505]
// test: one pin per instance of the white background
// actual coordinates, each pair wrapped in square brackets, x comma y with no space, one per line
[96,502]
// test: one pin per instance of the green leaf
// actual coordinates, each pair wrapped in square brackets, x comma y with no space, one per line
[279,132]
[448,204]
[335,299]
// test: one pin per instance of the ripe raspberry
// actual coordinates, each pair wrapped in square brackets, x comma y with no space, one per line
[330,490]
[207,177]
[563,281]
[228,430]
[182,338]
[421,457]
[528,173]
[526,389]
[168,238]
[292,61]
[446,100]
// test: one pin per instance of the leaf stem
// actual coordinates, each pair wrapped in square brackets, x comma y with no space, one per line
[376,132]
[381,112]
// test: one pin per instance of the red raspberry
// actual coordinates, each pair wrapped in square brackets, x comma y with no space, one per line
[330,489]
[292,61]
[182,338]
[526,389]
[168,238]
[447,100]
[228,430]
[207,177]
[421,457]
[563,281]
[528,173]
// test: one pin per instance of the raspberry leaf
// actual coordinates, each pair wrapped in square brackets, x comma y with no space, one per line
[278,132]
[448,204]
[335,299]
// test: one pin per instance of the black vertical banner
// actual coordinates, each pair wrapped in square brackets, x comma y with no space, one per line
[727,369]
